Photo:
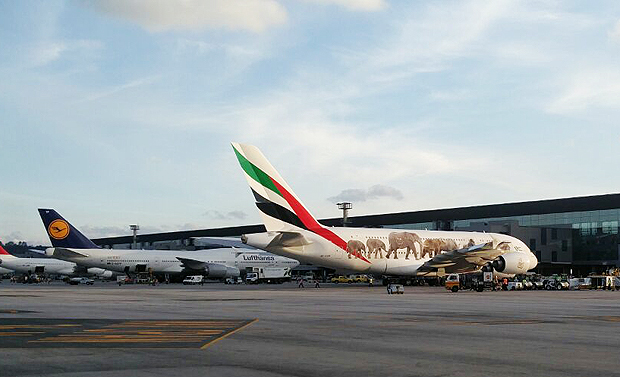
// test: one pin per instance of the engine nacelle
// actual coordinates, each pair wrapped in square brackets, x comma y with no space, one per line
[107,274]
[515,263]
[216,271]
[232,272]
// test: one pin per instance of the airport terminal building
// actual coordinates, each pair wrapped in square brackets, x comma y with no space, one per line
[572,235]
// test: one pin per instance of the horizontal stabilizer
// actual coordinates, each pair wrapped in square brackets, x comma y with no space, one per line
[61,253]
[289,239]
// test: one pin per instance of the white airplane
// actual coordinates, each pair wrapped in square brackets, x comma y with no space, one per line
[48,266]
[71,245]
[293,232]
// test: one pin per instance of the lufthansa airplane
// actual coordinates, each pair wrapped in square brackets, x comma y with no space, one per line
[293,232]
[49,266]
[71,245]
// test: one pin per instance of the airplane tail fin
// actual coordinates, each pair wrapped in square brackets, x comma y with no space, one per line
[62,233]
[4,252]
[279,207]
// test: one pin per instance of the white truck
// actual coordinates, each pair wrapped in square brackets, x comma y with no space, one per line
[194,279]
[268,275]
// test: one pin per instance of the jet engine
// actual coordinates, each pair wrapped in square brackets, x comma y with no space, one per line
[514,263]
[218,271]
[232,272]
[106,274]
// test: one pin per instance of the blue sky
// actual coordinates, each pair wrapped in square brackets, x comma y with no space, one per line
[117,112]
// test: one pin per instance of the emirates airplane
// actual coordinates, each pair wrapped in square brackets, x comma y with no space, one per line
[293,232]
[71,245]
[47,266]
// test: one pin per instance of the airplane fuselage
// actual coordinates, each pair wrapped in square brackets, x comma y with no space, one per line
[37,265]
[167,262]
[382,251]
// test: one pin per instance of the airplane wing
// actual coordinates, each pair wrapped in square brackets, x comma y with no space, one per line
[192,264]
[462,260]
[289,239]
[212,270]
[62,253]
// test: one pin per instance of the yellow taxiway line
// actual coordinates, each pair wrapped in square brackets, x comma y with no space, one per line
[227,335]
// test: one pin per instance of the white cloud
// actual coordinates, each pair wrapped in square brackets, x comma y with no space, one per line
[49,51]
[119,88]
[165,15]
[614,33]
[355,5]
[362,195]
[232,215]
[597,87]
[430,40]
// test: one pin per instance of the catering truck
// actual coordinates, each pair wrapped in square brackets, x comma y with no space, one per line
[272,275]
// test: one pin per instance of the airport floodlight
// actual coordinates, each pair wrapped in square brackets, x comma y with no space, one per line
[134,228]
[345,207]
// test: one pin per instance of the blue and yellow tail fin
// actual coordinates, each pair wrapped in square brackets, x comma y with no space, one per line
[62,233]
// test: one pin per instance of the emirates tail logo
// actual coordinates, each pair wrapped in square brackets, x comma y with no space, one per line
[58,229]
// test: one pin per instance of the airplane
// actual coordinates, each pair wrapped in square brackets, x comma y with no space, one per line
[49,266]
[71,245]
[293,232]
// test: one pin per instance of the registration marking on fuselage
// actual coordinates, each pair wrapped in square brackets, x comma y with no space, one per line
[89,333]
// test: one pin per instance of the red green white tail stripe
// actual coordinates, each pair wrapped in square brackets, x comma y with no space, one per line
[279,206]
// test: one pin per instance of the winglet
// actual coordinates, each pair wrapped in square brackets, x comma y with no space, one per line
[62,233]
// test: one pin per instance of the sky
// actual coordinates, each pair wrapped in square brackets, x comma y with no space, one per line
[118,112]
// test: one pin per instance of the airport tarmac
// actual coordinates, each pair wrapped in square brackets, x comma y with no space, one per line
[282,330]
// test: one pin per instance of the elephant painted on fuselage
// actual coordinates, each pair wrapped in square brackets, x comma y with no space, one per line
[375,246]
[402,240]
[355,248]
[434,246]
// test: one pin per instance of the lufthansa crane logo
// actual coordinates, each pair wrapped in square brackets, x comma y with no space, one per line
[58,229]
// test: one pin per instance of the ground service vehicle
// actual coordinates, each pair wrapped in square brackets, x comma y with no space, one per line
[515,286]
[251,278]
[76,281]
[194,279]
[360,278]
[395,289]
[342,279]
[453,283]
[580,283]
[268,275]
[602,282]
[231,280]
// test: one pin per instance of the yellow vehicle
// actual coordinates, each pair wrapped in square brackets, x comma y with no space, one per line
[360,278]
[453,283]
[342,279]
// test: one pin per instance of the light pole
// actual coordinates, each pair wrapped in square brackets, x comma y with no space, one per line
[135,228]
[345,207]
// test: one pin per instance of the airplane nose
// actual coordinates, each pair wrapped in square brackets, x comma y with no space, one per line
[244,239]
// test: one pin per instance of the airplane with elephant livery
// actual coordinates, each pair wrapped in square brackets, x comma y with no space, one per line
[293,232]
